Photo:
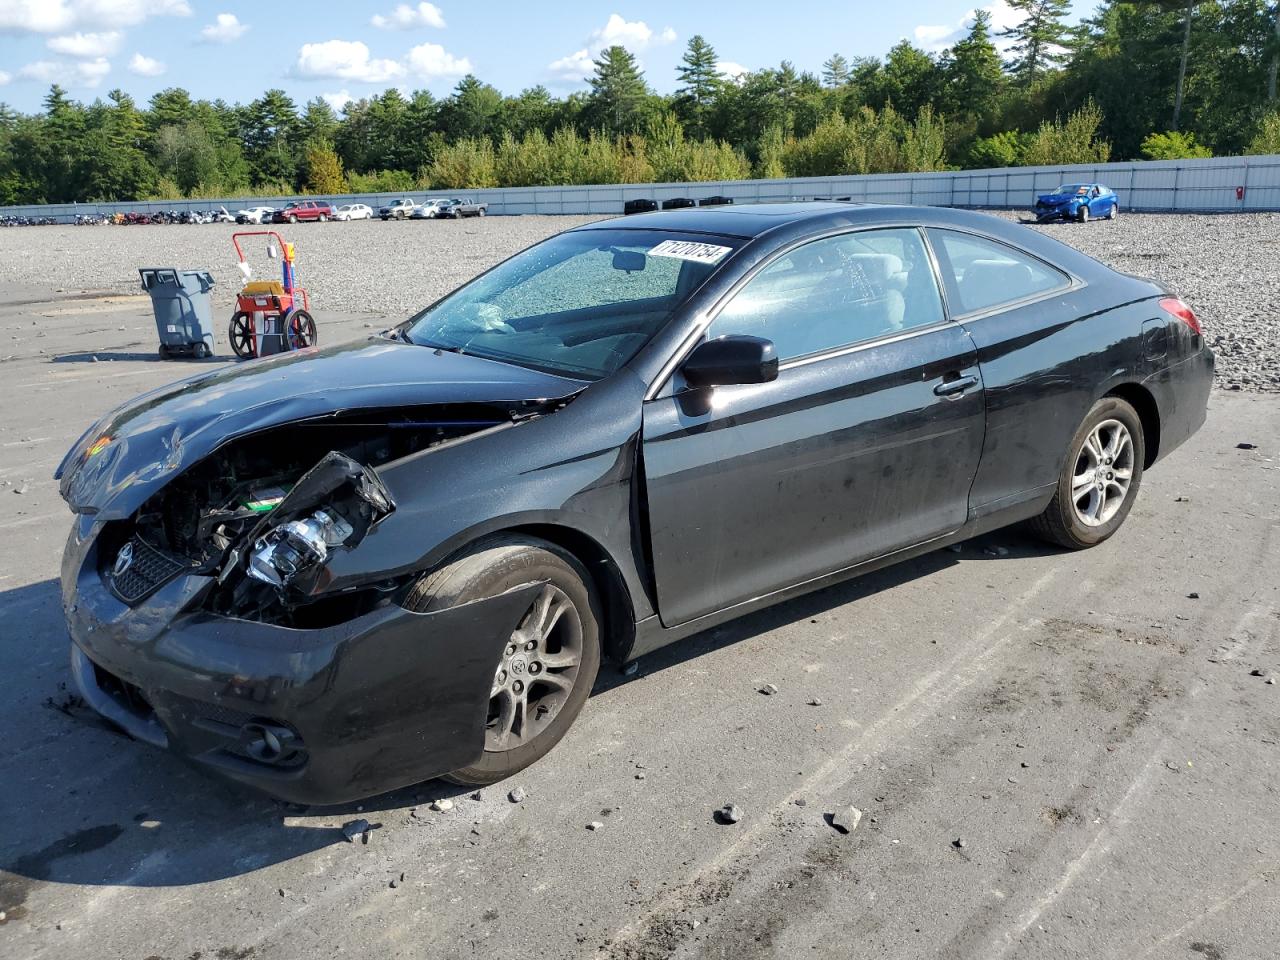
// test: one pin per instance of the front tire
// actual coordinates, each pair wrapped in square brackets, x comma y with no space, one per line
[546,670]
[1083,214]
[1099,480]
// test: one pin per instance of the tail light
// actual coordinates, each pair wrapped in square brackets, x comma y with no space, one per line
[1174,306]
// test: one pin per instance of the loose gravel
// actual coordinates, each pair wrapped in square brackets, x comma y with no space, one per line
[1226,266]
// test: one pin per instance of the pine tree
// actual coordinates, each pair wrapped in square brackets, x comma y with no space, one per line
[324,169]
[700,83]
[835,72]
[618,91]
[1038,38]
[973,72]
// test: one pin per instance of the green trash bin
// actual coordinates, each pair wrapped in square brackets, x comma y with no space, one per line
[183,310]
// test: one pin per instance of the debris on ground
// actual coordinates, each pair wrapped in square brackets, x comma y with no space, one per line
[1255,673]
[846,820]
[1181,499]
[478,795]
[630,669]
[443,805]
[768,689]
[959,842]
[729,813]
[815,701]
[1193,595]
[1245,445]
[21,488]
[640,775]
[996,551]
[518,795]
[595,825]
[956,548]
[357,828]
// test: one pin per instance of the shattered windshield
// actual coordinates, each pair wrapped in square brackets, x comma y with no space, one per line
[580,304]
[1078,188]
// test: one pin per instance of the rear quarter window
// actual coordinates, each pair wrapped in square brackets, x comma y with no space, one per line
[984,274]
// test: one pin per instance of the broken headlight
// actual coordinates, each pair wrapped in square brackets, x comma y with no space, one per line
[296,547]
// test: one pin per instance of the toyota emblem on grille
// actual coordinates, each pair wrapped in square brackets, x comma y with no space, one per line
[124,560]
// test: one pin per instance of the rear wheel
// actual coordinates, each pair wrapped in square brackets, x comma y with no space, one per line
[545,671]
[240,335]
[323,217]
[1113,212]
[1099,480]
[301,331]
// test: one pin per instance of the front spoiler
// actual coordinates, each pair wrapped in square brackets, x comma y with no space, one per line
[385,700]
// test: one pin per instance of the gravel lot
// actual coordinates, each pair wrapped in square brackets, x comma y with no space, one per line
[1226,266]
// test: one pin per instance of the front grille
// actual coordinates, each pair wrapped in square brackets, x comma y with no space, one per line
[148,570]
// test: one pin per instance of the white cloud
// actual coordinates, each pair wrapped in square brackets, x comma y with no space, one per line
[60,16]
[83,73]
[576,66]
[344,60]
[4,78]
[934,38]
[433,60]
[337,100]
[635,35]
[89,45]
[405,17]
[145,66]
[727,68]
[226,28]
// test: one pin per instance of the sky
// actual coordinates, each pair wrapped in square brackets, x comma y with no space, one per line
[343,50]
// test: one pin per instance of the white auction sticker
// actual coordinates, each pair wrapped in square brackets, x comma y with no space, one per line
[689,250]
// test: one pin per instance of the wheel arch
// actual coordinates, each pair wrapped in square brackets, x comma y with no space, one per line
[1141,399]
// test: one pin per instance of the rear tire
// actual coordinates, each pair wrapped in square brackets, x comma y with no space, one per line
[1113,212]
[496,565]
[1099,482]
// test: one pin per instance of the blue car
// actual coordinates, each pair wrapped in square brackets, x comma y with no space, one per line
[1077,201]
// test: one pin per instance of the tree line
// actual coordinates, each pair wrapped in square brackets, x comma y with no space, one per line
[1155,79]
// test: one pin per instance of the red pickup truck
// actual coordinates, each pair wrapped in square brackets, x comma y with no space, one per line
[297,210]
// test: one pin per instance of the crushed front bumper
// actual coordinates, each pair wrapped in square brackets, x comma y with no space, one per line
[318,716]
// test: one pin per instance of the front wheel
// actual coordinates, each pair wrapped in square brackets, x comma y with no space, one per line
[1099,480]
[1083,214]
[545,671]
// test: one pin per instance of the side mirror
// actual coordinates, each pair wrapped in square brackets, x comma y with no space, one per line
[731,360]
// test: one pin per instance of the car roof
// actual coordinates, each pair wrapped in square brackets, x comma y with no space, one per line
[788,221]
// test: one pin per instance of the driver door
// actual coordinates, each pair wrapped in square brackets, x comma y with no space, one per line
[867,442]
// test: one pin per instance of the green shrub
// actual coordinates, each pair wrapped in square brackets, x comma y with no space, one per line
[1268,136]
[1075,141]
[467,164]
[381,181]
[1004,149]
[1173,145]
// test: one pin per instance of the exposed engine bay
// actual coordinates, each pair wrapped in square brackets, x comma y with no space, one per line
[264,512]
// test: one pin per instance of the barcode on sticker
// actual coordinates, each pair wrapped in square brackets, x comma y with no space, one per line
[172,328]
[690,250]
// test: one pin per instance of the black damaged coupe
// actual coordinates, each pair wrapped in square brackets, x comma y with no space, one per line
[338,571]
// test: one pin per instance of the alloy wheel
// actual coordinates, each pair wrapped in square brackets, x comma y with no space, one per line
[537,672]
[1103,473]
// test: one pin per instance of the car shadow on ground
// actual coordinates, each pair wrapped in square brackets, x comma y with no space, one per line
[84,804]
[150,356]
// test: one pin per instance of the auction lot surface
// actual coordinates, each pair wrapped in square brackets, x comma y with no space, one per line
[1056,754]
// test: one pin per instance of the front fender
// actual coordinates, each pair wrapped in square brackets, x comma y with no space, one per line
[572,468]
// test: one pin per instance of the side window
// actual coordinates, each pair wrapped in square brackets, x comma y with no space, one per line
[988,274]
[836,292]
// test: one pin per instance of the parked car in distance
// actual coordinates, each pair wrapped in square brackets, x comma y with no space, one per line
[387,560]
[397,209]
[716,201]
[299,210]
[639,205]
[456,209]
[430,208]
[255,215]
[678,203]
[1077,201]
[353,211]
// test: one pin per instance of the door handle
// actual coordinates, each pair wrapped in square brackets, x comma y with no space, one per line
[953,385]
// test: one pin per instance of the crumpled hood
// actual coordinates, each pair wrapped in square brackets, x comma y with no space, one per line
[1054,199]
[159,434]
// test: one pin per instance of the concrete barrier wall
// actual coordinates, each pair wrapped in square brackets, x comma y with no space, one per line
[1157,185]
